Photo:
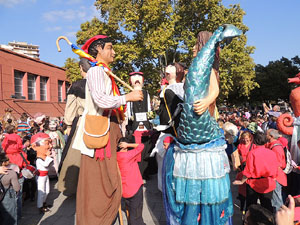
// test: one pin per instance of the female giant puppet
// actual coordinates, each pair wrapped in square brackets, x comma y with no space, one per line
[196,183]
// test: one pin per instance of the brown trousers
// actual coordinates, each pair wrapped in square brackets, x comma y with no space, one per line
[99,189]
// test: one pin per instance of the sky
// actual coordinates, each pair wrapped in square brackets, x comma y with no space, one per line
[274,27]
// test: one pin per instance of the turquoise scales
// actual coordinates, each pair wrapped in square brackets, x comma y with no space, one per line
[192,127]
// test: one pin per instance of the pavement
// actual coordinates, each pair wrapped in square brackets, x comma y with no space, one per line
[63,209]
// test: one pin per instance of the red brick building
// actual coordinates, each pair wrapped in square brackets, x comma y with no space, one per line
[31,85]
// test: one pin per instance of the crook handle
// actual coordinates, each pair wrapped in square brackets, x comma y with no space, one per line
[58,39]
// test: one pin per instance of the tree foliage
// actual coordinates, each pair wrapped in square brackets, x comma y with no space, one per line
[273,80]
[73,71]
[149,34]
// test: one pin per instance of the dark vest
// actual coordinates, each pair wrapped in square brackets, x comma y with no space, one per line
[139,107]
[172,101]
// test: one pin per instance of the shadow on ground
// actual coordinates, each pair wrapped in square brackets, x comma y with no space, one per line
[154,200]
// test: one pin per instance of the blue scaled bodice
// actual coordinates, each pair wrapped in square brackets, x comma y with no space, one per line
[204,128]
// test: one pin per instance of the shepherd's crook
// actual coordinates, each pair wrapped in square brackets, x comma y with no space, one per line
[83,54]
[58,39]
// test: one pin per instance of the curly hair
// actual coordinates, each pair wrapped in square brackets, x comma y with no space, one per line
[92,50]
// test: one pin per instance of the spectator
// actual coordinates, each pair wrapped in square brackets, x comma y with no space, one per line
[12,146]
[23,125]
[260,173]
[258,215]
[276,146]
[8,206]
[132,182]
[246,145]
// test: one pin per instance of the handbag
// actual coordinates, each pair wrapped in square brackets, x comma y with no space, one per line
[28,171]
[96,130]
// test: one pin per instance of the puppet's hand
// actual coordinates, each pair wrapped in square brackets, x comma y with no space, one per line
[201,105]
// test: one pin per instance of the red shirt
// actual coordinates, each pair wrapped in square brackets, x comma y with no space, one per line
[130,172]
[243,150]
[283,141]
[278,149]
[12,146]
[261,169]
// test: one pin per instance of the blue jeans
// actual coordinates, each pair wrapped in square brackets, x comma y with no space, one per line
[277,201]
[20,198]
[8,208]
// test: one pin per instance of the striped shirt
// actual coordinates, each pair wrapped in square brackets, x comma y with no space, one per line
[96,84]
[23,127]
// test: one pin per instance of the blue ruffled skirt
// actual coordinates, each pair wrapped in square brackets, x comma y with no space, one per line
[196,184]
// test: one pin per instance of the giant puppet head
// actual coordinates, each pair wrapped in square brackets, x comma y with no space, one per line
[41,143]
[136,80]
[174,73]
[170,74]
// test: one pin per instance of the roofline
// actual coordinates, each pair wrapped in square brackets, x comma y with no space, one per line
[30,58]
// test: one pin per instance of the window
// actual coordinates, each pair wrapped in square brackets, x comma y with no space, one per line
[67,87]
[18,84]
[60,88]
[43,88]
[31,83]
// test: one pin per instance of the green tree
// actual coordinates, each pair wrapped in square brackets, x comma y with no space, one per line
[73,71]
[150,34]
[273,80]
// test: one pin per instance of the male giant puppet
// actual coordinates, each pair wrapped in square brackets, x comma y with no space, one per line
[196,183]
[138,123]
[99,185]
[137,111]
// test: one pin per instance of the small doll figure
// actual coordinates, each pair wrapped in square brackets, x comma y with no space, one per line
[41,143]
[58,143]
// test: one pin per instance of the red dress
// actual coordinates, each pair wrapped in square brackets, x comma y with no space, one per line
[130,172]
[261,169]
[278,149]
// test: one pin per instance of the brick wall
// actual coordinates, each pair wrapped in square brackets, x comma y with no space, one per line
[11,62]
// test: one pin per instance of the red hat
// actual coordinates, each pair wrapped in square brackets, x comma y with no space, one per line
[168,140]
[39,137]
[136,73]
[87,44]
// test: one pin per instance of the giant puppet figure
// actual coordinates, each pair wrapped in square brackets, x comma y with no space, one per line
[196,183]
[41,143]
[138,123]
[99,186]
[170,97]
[137,111]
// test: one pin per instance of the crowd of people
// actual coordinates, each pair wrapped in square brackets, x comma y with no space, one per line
[26,176]
[259,166]
[112,161]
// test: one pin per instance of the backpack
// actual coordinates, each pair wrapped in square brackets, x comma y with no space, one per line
[288,159]
[2,190]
